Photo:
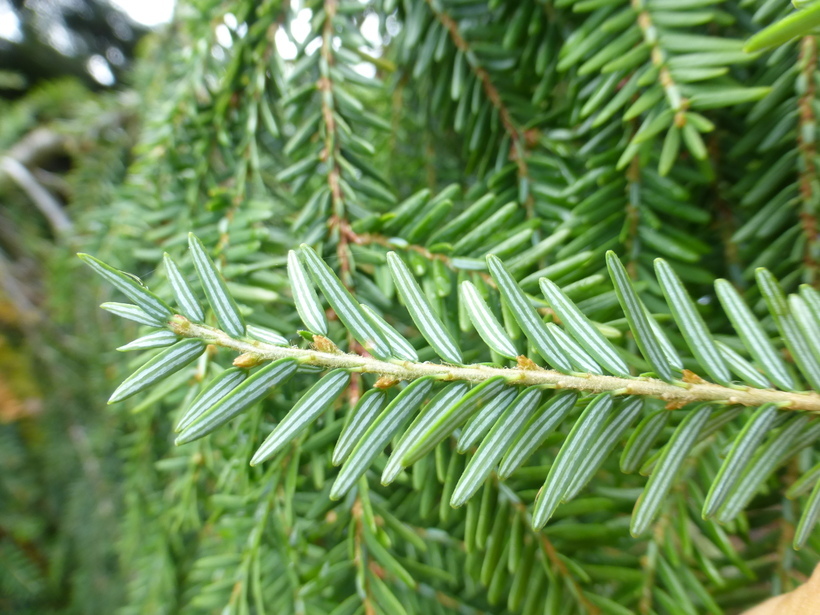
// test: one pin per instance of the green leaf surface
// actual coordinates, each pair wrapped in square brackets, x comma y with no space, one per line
[642,439]
[741,367]
[304,296]
[239,399]
[744,446]
[807,322]
[221,301]
[691,324]
[159,339]
[445,398]
[269,336]
[465,220]
[400,347]
[787,325]
[481,422]
[486,323]
[379,434]
[312,404]
[359,420]
[655,493]
[346,307]
[797,24]
[427,321]
[131,287]
[132,312]
[804,483]
[582,330]
[543,422]
[186,300]
[215,390]
[808,520]
[623,417]
[753,336]
[574,451]
[636,316]
[451,417]
[727,97]
[526,316]
[572,350]
[756,472]
[167,362]
[493,446]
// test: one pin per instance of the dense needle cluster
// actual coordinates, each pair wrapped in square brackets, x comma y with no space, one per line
[500,306]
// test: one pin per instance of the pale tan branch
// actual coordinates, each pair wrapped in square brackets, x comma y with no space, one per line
[676,395]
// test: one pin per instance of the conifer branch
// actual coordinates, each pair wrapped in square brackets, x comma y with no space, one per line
[676,100]
[563,106]
[364,239]
[551,553]
[359,557]
[676,395]
[633,214]
[725,217]
[517,136]
[649,563]
[808,151]
[331,151]
[486,82]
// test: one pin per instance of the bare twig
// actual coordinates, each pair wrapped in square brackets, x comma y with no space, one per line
[42,198]
[37,146]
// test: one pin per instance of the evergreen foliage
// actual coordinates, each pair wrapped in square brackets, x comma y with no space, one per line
[59,464]
[468,306]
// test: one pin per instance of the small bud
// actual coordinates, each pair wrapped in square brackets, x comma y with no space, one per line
[323,344]
[691,377]
[247,360]
[179,324]
[385,382]
[526,363]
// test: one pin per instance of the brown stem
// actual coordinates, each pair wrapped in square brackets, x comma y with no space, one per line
[649,564]
[808,151]
[364,239]
[633,216]
[551,554]
[676,100]
[28,548]
[562,569]
[358,557]
[517,136]
[725,219]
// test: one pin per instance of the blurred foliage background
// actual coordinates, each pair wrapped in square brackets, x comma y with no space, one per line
[68,124]
[260,125]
